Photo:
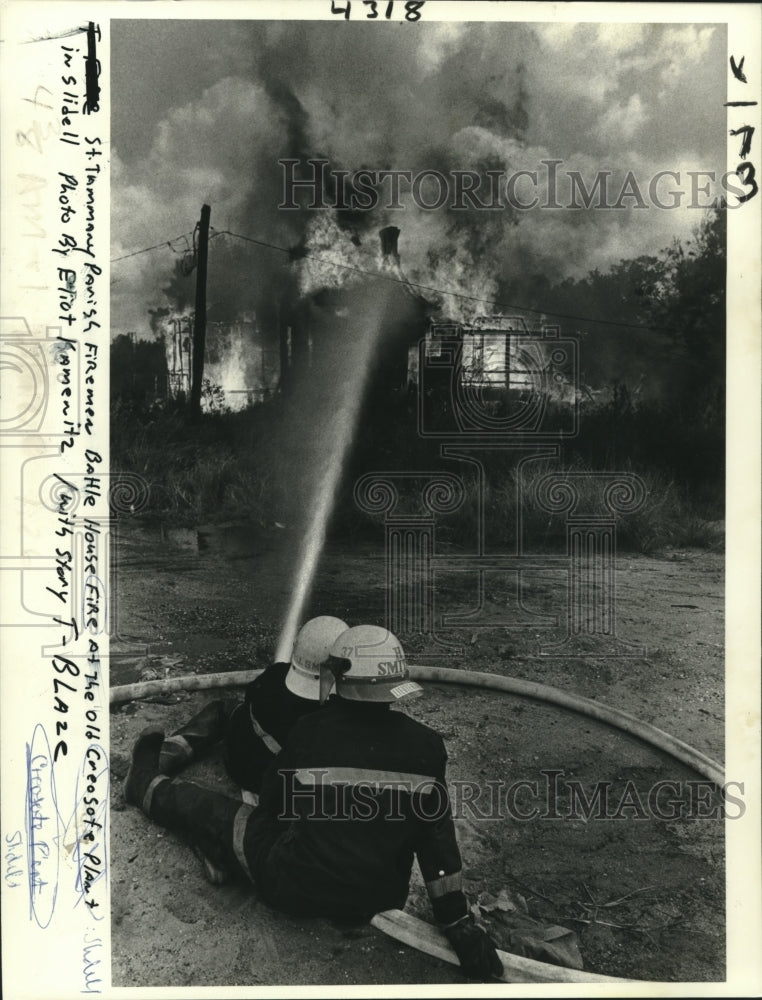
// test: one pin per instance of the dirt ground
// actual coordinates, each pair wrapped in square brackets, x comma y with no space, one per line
[644,893]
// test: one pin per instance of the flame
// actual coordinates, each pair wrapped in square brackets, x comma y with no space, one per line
[456,284]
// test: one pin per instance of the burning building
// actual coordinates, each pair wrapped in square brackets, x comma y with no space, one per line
[245,365]
[494,352]
[240,366]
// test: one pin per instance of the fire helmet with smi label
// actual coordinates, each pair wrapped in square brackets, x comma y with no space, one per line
[369,665]
[311,650]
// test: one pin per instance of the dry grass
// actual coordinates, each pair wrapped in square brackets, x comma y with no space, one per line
[234,466]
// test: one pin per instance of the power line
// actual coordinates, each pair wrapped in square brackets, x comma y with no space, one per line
[156,246]
[439,291]
[399,281]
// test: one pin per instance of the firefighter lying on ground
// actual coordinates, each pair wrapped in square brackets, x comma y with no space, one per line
[379,778]
[253,731]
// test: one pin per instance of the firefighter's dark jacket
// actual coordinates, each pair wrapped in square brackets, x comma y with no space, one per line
[355,794]
[261,725]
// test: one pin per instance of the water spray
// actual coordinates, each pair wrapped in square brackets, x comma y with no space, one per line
[337,441]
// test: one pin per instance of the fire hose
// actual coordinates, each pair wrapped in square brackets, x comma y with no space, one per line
[676,748]
[403,926]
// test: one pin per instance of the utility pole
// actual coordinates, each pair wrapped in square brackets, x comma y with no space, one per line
[199,324]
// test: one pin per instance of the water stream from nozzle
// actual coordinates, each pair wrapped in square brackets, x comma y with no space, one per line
[338,438]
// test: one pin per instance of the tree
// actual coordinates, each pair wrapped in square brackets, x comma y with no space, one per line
[687,300]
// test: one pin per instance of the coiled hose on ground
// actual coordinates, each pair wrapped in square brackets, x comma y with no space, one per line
[676,748]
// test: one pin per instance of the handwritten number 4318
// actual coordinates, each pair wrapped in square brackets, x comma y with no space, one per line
[412,9]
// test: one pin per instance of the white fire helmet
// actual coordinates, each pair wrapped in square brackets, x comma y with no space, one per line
[311,649]
[369,665]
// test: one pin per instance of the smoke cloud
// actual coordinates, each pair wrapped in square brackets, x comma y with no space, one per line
[234,99]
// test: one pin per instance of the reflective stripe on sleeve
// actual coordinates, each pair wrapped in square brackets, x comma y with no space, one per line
[239,832]
[439,887]
[269,741]
[363,776]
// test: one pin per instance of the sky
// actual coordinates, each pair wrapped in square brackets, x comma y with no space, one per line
[203,111]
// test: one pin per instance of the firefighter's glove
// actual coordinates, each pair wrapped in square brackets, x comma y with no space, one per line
[475,949]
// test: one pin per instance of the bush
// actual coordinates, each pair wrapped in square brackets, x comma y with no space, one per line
[209,470]
[259,465]
[514,520]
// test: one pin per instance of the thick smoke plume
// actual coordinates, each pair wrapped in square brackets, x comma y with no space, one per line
[441,97]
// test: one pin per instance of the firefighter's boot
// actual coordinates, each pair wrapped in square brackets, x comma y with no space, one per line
[144,768]
[210,821]
[196,737]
